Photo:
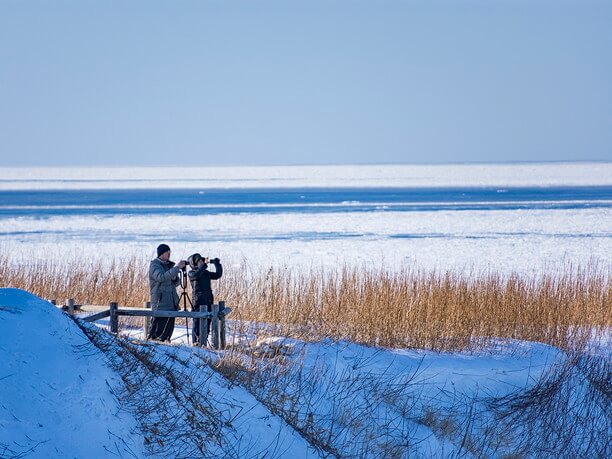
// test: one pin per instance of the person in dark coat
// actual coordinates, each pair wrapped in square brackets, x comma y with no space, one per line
[163,280]
[202,294]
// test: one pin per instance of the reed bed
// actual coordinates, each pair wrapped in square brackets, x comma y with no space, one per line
[431,310]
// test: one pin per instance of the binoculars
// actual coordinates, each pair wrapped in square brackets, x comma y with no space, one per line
[194,259]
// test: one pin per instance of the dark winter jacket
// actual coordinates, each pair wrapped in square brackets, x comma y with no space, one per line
[200,284]
[163,280]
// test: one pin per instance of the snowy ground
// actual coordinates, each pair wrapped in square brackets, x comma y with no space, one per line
[376,402]
[56,397]
[61,396]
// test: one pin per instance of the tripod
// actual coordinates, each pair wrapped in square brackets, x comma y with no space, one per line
[185,297]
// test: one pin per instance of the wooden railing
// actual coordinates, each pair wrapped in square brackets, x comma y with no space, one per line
[217,317]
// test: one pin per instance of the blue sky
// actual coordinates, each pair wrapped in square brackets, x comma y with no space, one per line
[316,82]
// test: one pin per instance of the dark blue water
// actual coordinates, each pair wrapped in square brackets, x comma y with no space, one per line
[321,200]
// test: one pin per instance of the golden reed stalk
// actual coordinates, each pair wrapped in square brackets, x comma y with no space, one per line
[431,310]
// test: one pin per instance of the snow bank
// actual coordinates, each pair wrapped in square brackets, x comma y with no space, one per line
[55,387]
[189,410]
[369,402]
[373,402]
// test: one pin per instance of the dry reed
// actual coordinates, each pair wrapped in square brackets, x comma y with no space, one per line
[431,310]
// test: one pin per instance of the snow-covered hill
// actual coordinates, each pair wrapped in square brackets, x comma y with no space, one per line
[56,397]
[59,397]
[70,389]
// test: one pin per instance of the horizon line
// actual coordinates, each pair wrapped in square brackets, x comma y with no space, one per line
[174,166]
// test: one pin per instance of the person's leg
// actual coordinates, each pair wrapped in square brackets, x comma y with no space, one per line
[169,328]
[203,333]
[208,322]
[166,332]
[155,332]
[195,330]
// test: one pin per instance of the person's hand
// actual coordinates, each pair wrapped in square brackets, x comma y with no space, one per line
[215,260]
[181,264]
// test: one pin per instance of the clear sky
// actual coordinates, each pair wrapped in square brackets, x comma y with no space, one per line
[313,82]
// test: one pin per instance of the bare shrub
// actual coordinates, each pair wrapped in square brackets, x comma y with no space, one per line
[567,413]
[178,416]
[348,413]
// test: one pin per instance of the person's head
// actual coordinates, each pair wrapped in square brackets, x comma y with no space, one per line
[195,260]
[163,252]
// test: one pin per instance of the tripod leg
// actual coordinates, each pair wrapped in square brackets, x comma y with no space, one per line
[183,297]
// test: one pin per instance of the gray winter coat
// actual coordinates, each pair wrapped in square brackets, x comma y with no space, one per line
[163,280]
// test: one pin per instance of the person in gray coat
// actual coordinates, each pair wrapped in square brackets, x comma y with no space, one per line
[163,280]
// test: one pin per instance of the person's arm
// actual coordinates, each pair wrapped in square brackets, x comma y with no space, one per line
[197,273]
[158,274]
[218,269]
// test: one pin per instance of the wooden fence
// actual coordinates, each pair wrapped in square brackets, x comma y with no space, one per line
[217,317]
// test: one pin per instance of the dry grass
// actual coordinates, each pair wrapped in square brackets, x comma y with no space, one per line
[377,307]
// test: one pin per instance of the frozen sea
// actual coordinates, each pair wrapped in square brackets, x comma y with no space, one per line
[507,217]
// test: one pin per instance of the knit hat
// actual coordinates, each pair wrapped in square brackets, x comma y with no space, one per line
[193,260]
[161,249]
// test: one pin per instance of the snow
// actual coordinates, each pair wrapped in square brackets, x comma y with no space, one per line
[55,389]
[57,401]
[390,390]
[438,382]
[528,241]
[524,240]
[254,428]
[400,175]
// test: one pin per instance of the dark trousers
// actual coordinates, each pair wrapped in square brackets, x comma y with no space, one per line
[195,330]
[161,328]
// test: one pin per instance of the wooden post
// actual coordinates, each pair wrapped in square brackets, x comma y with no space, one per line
[222,324]
[147,320]
[203,339]
[70,304]
[215,325]
[114,318]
